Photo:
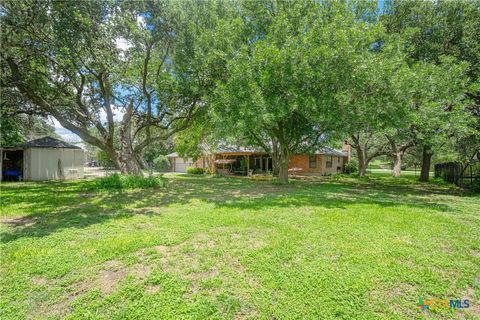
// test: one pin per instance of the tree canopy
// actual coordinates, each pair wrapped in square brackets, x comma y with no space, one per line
[285,76]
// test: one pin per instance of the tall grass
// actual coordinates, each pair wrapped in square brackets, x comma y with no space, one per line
[120,181]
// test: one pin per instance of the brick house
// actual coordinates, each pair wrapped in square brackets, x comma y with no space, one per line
[242,161]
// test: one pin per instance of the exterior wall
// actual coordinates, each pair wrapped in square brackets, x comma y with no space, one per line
[303,161]
[53,163]
[179,164]
[201,163]
[336,162]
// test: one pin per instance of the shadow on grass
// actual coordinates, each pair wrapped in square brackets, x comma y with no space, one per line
[61,205]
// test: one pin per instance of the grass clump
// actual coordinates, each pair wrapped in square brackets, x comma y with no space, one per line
[119,181]
[192,170]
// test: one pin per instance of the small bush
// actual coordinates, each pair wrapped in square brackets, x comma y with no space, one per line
[192,170]
[161,163]
[351,167]
[475,186]
[118,182]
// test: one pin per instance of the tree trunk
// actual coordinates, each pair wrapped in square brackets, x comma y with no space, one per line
[426,160]
[127,161]
[362,161]
[283,159]
[397,152]
[275,160]
[397,164]
[283,171]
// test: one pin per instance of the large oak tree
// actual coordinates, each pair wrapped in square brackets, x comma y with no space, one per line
[121,68]
[280,93]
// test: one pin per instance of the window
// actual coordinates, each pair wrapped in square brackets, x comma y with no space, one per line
[329,162]
[312,161]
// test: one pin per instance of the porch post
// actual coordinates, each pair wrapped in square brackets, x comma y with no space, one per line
[248,165]
[261,162]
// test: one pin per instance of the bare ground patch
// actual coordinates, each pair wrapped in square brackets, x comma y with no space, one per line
[19,222]
[109,280]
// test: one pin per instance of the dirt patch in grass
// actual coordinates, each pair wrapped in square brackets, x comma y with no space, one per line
[79,288]
[109,280]
[472,296]
[39,281]
[152,289]
[19,222]
[50,311]
[141,271]
[162,249]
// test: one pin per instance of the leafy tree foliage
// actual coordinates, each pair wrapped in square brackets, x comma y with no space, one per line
[16,129]
[280,91]
[86,63]
[161,163]
[433,30]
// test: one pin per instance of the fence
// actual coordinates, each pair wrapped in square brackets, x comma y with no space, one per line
[455,172]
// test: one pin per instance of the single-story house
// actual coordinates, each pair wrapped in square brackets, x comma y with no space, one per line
[241,161]
[46,158]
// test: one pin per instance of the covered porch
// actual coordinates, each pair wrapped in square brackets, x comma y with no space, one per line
[242,163]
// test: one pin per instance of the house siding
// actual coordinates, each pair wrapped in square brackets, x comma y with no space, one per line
[337,165]
[303,161]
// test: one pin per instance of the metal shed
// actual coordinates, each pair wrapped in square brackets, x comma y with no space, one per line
[46,158]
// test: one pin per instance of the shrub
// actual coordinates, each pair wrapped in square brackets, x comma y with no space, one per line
[161,163]
[118,182]
[111,182]
[192,170]
[350,167]
[475,186]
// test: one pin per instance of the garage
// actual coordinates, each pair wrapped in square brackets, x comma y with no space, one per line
[181,164]
[178,163]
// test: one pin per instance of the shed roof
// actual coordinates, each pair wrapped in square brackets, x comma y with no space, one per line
[49,142]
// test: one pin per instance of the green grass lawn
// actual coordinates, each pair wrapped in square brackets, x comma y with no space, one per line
[235,248]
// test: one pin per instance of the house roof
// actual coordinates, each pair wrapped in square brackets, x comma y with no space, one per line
[331,152]
[235,149]
[172,155]
[49,142]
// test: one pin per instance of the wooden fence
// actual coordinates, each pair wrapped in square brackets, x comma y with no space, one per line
[455,172]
